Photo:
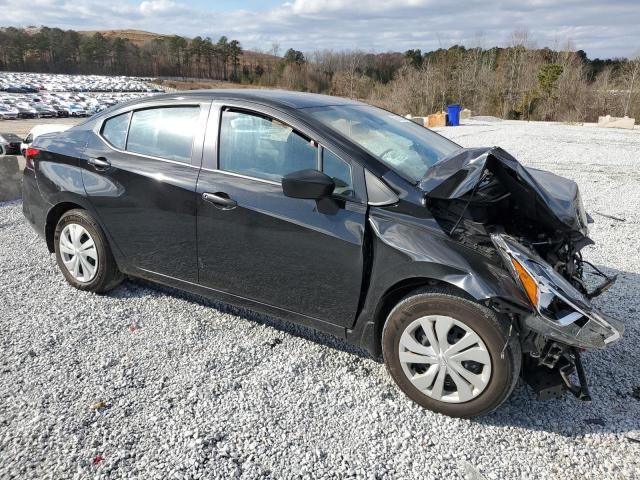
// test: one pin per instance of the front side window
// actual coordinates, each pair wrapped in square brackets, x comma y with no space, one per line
[114,130]
[262,147]
[399,143]
[340,171]
[165,132]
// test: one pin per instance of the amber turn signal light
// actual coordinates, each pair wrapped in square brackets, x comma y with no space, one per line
[529,284]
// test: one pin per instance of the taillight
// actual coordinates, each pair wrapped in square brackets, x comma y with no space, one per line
[29,153]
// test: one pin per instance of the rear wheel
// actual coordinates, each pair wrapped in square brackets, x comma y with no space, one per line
[450,355]
[83,254]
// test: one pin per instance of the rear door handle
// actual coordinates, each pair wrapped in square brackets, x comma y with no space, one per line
[100,163]
[220,200]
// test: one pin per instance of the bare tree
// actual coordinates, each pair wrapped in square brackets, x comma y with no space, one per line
[573,91]
[630,81]
[354,60]
[518,59]
[602,92]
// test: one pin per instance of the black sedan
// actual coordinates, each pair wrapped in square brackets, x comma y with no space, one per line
[26,112]
[10,144]
[460,268]
[61,111]
[45,111]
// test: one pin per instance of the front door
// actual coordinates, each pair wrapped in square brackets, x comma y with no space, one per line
[256,243]
[141,177]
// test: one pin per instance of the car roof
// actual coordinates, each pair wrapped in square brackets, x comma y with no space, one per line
[280,99]
[10,136]
[277,98]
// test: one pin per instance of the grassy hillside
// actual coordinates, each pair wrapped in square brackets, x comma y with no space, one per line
[137,37]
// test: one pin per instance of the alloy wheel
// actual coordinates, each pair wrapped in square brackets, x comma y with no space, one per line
[445,359]
[78,252]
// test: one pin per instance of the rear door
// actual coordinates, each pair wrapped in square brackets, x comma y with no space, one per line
[141,176]
[256,243]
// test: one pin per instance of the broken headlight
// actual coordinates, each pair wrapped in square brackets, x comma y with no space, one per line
[562,312]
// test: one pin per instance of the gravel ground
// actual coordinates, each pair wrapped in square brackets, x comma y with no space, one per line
[23,126]
[149,383]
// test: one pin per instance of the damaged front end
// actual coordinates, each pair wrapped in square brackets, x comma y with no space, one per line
[562,312]
[532,222]
[563,322]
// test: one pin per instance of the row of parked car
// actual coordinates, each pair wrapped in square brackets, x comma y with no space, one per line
[41,95]
[53,104]
[17,82]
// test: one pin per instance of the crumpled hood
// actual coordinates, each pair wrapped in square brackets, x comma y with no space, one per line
[542,197]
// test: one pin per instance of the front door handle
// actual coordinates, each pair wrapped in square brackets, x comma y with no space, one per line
[100,163]
[220,200]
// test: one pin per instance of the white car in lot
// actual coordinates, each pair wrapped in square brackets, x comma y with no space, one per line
[38,82]
[77,110]
[41,130]
[8,112]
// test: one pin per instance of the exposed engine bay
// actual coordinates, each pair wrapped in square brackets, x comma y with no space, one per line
[533,223]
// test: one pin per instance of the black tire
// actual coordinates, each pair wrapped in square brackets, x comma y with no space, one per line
[505,369]
[107,276]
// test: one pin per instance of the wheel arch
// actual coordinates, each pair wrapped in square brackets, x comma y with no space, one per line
[68,201]
[53,216]
[394,294]
[368,329]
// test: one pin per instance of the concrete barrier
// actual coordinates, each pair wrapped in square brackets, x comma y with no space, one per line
[419,120]
[616,122]
[433,120]
[11,177]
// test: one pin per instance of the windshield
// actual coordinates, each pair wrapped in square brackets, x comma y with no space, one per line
[399,143]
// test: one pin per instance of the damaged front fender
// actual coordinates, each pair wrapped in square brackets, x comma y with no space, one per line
[406,250]
[420,249]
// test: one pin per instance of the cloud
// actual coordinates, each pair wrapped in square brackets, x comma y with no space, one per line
[324,6]
[158,7]
[602,29]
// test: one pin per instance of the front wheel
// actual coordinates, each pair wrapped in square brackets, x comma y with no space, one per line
[450,355]
[83,254]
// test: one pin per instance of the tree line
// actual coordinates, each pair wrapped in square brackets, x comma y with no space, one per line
[55,50]
[516,81]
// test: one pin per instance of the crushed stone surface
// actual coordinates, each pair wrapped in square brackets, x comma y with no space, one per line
[149,383]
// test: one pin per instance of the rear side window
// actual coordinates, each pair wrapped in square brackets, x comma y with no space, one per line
[114,130]
[164,132]
[263,147]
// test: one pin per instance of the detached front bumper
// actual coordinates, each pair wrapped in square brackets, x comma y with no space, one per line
[562,313]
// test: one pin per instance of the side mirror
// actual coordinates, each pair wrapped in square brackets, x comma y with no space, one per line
[310,184]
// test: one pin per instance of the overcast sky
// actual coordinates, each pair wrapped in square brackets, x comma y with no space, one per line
[603,28]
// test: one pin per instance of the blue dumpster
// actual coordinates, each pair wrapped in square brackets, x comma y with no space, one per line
[453,114]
